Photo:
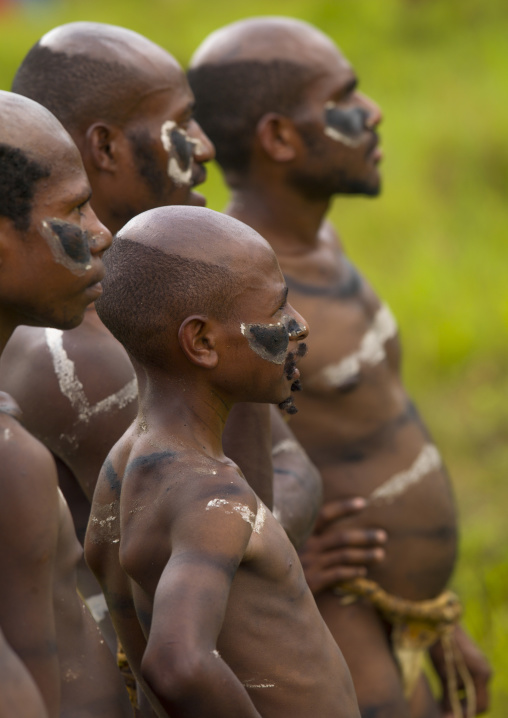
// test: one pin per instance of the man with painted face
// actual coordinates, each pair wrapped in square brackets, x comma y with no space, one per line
[301,134]
[209,598]
[128,106]
[51,244]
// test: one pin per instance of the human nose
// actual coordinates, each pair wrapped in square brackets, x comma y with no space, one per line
[299,328]
[99,236]
[375,114]
[204,149]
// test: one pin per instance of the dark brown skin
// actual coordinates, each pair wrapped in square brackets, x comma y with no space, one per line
[43,619]
[362,433]
[212,608]
[20,695]
[101,365]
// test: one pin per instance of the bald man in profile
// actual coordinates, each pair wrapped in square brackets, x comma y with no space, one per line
[127,104]
[51,244]
[291,130]
[204,586]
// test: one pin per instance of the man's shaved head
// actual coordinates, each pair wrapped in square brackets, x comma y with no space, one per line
[264,39]
[87,71]
[169,263]
[32,141]
[248,69]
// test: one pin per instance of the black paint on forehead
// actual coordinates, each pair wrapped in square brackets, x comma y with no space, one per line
[74,241]
[184,148]
[274,339]
[349,121]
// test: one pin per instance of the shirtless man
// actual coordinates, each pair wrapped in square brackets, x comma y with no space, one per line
[204,587]
[128,106]
[51,244]
[301,134]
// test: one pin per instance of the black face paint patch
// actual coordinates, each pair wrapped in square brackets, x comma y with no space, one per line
[345,125]
[180,148]
[69,244]
[270,341]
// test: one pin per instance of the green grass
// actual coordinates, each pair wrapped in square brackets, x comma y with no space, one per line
[433,244]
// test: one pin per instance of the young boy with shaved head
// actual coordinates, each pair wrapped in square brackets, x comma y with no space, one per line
[203,585]
[128,106]
[291,130]
[51,244]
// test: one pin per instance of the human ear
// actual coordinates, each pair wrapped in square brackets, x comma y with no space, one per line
[277,135]
[197,339]
[104,146]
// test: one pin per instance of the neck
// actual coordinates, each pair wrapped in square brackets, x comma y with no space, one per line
[288,220]
[192,412]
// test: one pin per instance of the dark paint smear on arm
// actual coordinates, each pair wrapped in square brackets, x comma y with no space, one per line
[148,462]
[112,477]
[73,240]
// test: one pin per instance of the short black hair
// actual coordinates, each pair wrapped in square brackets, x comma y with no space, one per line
[232,97]
[148,293]
[18,177]
[76,88]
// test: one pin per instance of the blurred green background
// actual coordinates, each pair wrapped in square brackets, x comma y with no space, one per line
[433,244]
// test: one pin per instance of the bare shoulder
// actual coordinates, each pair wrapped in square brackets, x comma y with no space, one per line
[76,389]
[28,486]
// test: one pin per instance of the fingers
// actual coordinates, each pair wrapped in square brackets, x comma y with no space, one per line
[337,537]
[321,580]
[336,510]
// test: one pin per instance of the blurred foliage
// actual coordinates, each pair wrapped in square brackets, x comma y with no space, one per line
[433,244]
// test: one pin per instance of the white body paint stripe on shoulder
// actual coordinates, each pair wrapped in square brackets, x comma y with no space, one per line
[429,459]
[256,521]
[72,388]
[371,351]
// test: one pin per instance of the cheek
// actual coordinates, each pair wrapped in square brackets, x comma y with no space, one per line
[345,125]
[180,149]
[269,341]
[68,244]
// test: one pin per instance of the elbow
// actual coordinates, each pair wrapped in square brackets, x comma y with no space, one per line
[173,672]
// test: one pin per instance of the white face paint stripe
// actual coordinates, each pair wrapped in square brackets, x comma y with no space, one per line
[429,459]
[371,351]
[340,137]
[72,388]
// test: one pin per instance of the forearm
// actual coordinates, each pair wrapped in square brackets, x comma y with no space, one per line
[297,487]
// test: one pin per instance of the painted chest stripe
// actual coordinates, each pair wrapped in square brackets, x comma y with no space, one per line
[370,352]
[72,388]
[429,459]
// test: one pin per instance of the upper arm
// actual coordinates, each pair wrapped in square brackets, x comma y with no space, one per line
[209,539]
[297,486]
[29,520]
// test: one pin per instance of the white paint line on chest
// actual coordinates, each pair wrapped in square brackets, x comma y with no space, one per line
[264,683]
[371,350]
[72,388]
[286,446]
[429,459]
